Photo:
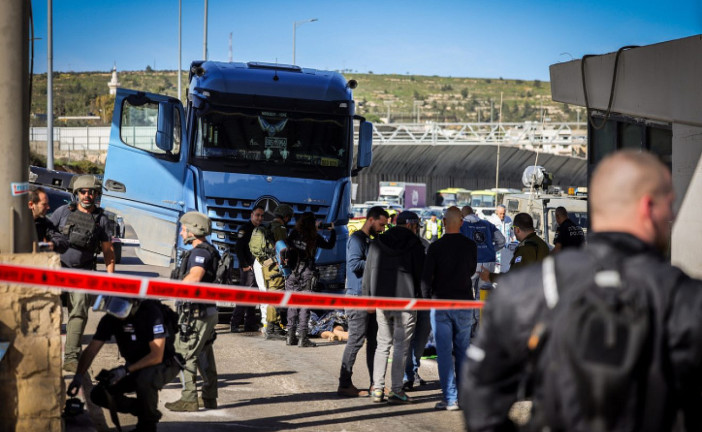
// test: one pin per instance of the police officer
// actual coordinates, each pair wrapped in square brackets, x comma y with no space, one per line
[568,234]
[531,248]
[196,320]
[86,228]
[145,342]
[274,279]
[246,314]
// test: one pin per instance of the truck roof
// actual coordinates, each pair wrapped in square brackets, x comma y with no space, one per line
[267,79]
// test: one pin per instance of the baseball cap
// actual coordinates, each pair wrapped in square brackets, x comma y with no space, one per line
[407,217]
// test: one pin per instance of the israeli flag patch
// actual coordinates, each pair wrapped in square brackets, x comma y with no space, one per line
[199,259]
[158,329]
[518,259]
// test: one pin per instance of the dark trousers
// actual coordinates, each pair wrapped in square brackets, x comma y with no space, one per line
[246,314]
[363,327]
[299,281]
[145,383]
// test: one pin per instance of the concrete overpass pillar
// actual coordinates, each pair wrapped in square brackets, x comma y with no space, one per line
[687,181]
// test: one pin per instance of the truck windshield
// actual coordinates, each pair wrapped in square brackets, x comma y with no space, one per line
[270,142]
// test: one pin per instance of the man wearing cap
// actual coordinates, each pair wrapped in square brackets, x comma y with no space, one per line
[394,269]
[145,343]
[196,320]
[86,228]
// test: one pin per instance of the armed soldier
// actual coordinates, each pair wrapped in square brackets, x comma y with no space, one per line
[196,320]
[262,247]
[86,228]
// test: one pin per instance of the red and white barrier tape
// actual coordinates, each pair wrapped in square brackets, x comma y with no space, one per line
[158,288]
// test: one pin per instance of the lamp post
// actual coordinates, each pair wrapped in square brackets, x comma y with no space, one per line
[296,24]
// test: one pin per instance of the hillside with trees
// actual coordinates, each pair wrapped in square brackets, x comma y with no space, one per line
[406,98]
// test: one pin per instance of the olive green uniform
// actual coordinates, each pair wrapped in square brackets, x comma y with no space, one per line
[274,279]
[529,251]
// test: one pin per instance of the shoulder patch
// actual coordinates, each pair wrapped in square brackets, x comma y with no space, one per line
[158,329]
[199,259]
[241,233]
[518,259]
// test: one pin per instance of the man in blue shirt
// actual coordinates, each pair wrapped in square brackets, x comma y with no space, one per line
[362,323]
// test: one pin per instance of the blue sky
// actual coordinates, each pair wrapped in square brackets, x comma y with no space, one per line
[458,38]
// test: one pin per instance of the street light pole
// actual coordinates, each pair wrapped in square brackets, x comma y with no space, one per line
[204,36]
[295,25]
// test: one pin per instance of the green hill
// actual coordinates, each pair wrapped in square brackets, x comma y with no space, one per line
[407,98]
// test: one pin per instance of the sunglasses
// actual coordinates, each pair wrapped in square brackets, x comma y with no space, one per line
[87,191]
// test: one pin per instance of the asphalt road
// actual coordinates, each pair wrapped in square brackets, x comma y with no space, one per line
[268,386]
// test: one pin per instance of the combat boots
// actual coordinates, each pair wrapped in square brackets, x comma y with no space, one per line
[292,337]
[304,342]
[274,332]
[182,406]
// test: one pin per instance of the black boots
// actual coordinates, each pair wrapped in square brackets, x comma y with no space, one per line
[292,337]
[274,332]
[304,342]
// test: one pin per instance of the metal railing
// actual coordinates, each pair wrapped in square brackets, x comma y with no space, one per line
[526,135]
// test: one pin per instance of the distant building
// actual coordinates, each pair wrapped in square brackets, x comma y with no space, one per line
[114,83]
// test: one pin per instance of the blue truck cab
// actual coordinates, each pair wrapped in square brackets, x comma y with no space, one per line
[251,133]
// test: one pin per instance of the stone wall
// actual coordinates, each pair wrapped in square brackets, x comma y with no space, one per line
[31,386]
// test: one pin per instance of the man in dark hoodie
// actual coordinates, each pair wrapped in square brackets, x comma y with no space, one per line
[394,269]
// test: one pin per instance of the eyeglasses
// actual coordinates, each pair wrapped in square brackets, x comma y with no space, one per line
[87,191]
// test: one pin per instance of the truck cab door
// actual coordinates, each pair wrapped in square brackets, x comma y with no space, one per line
[145,170]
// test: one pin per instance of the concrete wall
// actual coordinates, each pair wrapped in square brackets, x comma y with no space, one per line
[469,167]
[31,385]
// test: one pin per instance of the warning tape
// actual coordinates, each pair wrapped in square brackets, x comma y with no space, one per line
[131,286]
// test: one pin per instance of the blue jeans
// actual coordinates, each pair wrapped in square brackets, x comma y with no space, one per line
[452,337]
[419,341]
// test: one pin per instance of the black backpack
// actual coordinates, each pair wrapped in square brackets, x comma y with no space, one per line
[592,352]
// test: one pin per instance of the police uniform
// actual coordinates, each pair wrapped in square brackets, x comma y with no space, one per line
[133,335]
[197,329]
[245,314]
[81,254]
[569,235]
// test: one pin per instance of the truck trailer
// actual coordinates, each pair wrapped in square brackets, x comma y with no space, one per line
[404,194]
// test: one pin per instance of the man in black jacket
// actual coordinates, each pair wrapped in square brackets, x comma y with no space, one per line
[246,314]
[394,269]
[448,268]
[631,210]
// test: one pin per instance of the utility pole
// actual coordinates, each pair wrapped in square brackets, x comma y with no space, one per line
[204,36]
[16,223]
[180,47]
[50,88]
[231,55]
[497,165]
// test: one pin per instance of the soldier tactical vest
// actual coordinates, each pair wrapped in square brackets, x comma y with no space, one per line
[81,228]
[210,273]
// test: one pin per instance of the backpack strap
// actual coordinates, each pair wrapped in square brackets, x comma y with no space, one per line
[548,267]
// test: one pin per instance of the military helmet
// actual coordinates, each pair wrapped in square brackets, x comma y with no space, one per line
[197,223]
[86,181]
[283,210]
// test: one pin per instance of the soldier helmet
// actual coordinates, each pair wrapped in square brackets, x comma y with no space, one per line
[283,210]
[197,223]
[86,181]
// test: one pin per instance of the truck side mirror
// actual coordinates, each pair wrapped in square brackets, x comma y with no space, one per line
[365,144]
[164,129]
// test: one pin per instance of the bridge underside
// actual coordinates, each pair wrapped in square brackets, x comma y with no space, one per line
[469,167]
